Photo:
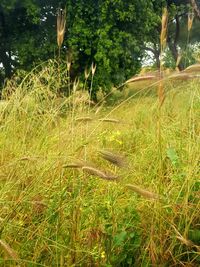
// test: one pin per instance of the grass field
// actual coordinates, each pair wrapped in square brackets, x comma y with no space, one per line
[107,185]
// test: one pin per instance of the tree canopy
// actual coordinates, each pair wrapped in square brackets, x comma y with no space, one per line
[112,34]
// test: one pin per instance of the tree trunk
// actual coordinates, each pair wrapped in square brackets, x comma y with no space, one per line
[196,8]
[5,59]
[5,55]
[173,44]
[156,53]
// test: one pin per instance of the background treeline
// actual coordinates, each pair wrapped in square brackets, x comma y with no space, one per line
[115,35]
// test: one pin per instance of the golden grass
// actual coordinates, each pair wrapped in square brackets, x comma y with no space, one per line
[53,208]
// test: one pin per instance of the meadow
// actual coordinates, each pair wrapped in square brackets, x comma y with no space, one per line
[108,184]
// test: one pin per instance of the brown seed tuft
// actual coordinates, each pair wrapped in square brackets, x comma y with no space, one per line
[112,157]
[142,192]
[96,172]
[75,165]
[61,24]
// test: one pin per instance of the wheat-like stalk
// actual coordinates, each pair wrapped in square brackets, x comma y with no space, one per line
[93,68]
[161,93]
[112,157]
[142,192]
[193,68]
[163,36]
[77,164]
[190,20]
[9,250]
[141,78]
[84,119]
[96,172]
[184,76]
[87,73]
[61,25]
[163,41]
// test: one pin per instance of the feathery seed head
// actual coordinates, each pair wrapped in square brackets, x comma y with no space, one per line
[61,25]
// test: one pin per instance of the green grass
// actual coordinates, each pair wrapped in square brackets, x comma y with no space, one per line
[56,216]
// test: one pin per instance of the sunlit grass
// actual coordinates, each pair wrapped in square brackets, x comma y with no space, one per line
[53,215]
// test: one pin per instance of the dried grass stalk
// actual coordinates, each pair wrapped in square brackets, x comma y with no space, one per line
[113,158]
[99,173]
[193,68]
[75,165]
[161,93]
[142,192]
[9,250]
[109,120]
[84,119]
[163,34]
[28,159]
[184,76]
[163,41]
[185,241]
[178,61]
[141,78]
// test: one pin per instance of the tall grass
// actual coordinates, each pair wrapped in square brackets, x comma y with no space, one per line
[53,214]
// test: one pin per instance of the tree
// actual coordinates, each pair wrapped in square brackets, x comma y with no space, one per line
[178,37]
[110,33]
[27,33]
[18,20]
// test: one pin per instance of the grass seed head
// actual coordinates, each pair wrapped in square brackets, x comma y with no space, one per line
[113,158]
[96,172]
[190,20]
[87,73]
[77,164]
[84,119]
[61,25]
[93,68]
[142,192]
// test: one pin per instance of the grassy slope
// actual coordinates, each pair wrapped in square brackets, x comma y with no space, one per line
[55,216]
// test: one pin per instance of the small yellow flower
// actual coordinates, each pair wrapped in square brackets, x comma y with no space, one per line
[103,254]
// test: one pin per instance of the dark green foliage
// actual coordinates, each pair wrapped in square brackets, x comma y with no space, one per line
[109,33]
